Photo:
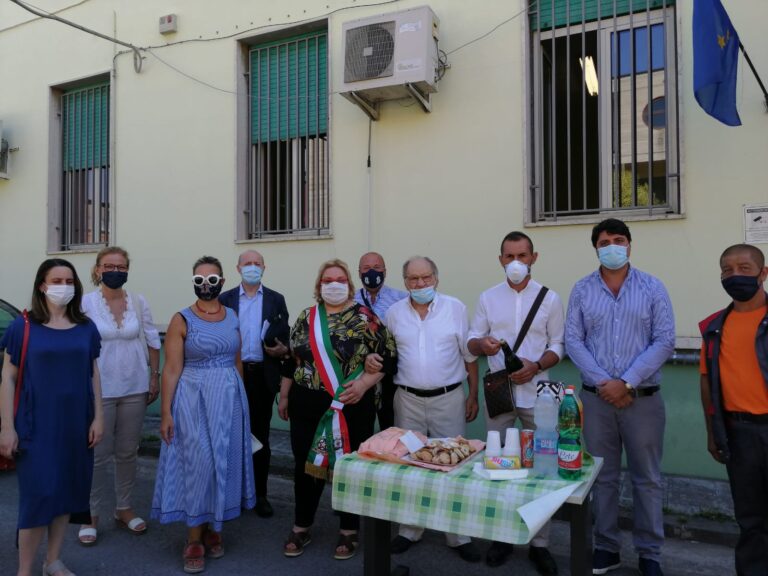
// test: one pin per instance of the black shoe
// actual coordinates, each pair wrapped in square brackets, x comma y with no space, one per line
[263,507]
[468,552]
[498,553]
[542,559]
[650,567]
[400,544]
[604,561]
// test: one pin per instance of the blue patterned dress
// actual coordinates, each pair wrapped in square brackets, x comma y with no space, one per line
[206,473]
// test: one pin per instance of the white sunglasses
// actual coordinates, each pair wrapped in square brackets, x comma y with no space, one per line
[211,279]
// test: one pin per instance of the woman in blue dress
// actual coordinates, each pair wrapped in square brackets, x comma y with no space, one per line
[205,473]
[59,418]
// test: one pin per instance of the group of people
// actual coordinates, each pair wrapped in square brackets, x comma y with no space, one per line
[355,355]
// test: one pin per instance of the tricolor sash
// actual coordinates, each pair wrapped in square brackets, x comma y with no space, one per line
[331,439]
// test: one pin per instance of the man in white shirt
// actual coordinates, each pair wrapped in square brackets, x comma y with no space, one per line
[430,330]
[500,314]
[379,297]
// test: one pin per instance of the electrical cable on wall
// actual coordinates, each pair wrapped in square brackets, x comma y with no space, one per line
[42,14]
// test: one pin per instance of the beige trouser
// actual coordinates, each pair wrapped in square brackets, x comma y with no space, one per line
[500,424]
[437,417]
[123,420]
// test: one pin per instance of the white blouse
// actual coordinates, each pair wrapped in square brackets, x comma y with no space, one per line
[122,362]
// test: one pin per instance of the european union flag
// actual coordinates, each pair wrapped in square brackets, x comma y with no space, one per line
[715,61]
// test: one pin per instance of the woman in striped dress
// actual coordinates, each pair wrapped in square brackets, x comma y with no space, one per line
[204,425]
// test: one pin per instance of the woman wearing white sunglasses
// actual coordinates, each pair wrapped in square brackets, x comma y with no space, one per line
[204,425]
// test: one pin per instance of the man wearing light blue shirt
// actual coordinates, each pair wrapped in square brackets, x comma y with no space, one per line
[379,297]
[264,331]
[619,332]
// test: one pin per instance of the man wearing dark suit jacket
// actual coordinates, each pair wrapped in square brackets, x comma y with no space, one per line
[264,331]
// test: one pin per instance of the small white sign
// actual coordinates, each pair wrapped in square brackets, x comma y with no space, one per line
[411,441]
[756,223]
[410,27]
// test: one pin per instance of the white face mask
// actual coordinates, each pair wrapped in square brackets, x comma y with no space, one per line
[517,271]
[60,294]
[334,293]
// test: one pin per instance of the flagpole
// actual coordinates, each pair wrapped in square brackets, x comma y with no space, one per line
[757,76]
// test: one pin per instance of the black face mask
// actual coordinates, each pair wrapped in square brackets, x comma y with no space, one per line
[207,292]
[741,288]
[373,279]
[114,279]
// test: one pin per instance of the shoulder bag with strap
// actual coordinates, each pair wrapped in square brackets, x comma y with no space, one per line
[497,387]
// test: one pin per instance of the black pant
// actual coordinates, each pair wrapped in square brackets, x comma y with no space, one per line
[386,411]
[305,408]
[261,399]
[748,475]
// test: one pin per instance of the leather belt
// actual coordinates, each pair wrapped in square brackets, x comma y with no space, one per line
[432,392]
[249,366]
[640,392]
[747,417]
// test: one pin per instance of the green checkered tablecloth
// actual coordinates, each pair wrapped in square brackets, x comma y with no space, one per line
[459,502]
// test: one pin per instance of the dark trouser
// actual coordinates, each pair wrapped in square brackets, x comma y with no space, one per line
[305,408]
[748,474]
[386,412]
[261,399]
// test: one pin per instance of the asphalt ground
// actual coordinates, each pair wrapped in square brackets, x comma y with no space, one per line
[254,545]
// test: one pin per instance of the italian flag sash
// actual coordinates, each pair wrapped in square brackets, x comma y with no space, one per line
[331,439]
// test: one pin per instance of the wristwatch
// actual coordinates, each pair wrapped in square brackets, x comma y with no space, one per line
[541,368]
[630,389]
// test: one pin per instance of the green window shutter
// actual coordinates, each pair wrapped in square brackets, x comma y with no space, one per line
[85,127]
[541,11]
[289,88]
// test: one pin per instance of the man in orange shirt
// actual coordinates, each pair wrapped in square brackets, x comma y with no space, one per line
[734,394]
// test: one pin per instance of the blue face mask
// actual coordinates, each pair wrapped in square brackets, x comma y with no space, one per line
[251,274]
[741,288]
[613,256]
[423,295]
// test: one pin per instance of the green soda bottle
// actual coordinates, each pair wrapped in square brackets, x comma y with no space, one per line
[569,454]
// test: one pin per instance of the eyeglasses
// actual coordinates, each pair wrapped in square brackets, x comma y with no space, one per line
[427,278]
[114,268]
[211,279]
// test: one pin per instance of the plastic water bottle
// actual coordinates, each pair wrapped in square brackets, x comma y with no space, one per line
[545,436]
[569,454]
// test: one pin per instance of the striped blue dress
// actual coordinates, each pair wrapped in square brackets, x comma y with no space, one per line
[206,473]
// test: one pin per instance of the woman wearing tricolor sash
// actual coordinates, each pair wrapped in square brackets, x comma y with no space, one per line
[328,397]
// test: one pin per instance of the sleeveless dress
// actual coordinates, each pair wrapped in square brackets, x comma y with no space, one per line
[206,473]
[54,464]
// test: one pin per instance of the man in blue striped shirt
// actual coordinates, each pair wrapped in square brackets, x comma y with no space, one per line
[619,331]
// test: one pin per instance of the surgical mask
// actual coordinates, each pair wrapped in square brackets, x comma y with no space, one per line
[423,295]
[251,274]
[60,294]
[207,292]
[517,271]
[613,256]
[114,279]
[373,279]
[334,293]
[741,288]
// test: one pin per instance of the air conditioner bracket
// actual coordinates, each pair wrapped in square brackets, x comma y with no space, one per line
[370,108]
[425,101]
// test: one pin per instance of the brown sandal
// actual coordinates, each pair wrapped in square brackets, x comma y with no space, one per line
[299,540]
[348,542]
[213,544]
[194,558]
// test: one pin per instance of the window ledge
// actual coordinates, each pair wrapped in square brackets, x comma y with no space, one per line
[595,218]
[286,238]
[79,250]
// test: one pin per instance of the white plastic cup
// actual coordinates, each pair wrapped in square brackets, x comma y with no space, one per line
[512,443]
[493,444]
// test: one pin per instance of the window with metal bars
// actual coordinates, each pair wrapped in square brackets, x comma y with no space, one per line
[85,161]
[603,108]
[288,191]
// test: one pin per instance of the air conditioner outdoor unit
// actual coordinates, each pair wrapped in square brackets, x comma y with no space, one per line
[4,154]
[391,56]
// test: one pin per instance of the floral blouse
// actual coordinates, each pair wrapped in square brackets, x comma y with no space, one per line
[355,332]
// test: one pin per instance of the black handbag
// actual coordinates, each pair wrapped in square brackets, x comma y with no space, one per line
[497,386]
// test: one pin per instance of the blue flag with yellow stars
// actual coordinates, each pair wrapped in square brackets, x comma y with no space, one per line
[715,61]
